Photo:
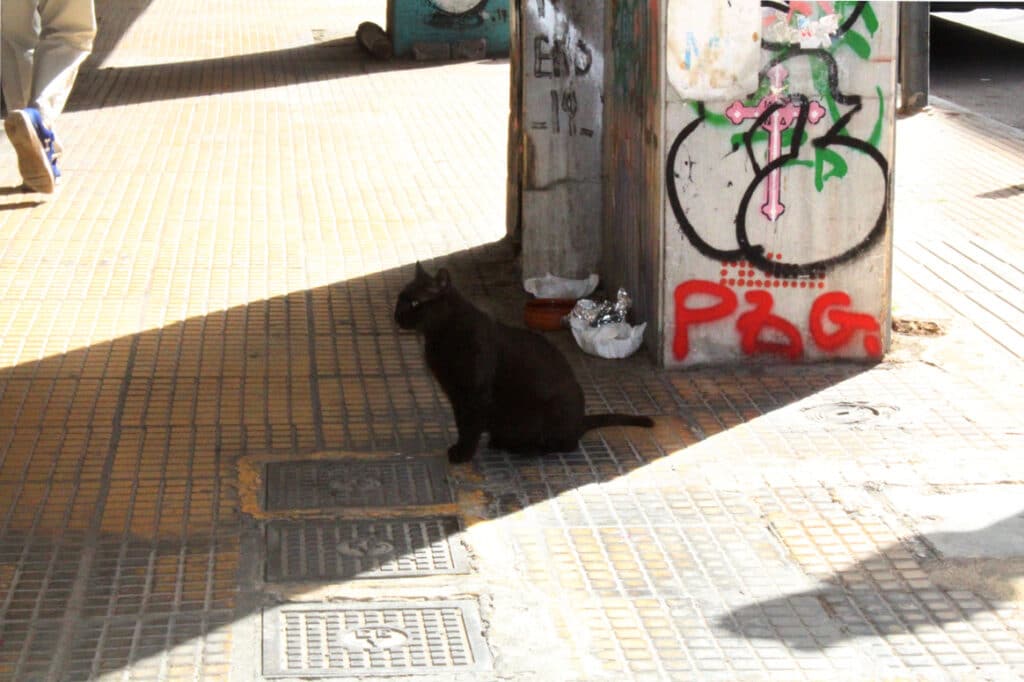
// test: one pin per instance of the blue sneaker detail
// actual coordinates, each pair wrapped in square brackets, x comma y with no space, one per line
[36,147]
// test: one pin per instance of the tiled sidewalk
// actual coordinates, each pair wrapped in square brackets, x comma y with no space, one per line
[207,301]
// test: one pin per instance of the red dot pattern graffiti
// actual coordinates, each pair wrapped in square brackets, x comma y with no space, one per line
[743,274]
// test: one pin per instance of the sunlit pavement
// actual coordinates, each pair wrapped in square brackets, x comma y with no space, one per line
[219,458]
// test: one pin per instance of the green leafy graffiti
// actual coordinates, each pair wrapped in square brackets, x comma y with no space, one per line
[827,163]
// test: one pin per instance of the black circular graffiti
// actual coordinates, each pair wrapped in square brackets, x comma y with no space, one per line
[834,137]
[689,231]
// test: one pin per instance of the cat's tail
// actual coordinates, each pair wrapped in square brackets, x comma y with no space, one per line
[596,421]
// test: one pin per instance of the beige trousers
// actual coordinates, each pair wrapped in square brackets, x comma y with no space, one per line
[42,44]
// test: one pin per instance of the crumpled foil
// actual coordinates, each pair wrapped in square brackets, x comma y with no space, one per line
[596,314]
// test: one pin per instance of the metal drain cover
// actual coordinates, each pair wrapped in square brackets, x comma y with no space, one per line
[380,638]
[334,549]
[848,412]
[391,482]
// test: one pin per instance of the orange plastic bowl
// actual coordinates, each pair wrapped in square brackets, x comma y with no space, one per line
[546,314]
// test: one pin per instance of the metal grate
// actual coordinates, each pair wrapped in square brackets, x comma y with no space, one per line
[324,640]
[335,549]
[394,482]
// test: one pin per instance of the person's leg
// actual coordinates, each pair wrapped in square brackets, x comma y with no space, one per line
[19,34]
[68,28]
[20,27]
[35,145]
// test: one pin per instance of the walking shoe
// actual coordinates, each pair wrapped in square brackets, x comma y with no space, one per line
[37,149]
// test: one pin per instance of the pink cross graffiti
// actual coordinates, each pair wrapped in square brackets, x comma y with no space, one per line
[780,119]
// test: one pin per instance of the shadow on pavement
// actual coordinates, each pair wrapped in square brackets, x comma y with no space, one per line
[114,18]
[1004,193]
[850,603]
[120,524]
[123,85]
[101,86]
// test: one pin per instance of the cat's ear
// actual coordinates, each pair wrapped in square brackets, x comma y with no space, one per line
[420,272]
[443,279]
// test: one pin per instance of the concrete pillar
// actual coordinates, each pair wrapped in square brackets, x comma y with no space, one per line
[778,203]
[562,71]
[632,229]
[915,41]
[775,189]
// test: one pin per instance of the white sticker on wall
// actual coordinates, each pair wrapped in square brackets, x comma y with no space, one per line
[714,48]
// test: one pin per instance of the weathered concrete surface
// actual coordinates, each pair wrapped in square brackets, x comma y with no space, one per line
[561,122]
[982,521]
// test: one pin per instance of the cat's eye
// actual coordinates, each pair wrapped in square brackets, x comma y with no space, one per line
[413,303]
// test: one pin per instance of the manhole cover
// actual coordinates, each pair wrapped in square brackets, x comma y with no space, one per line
[393,482]
[848,413]
[333,549]
[382,638]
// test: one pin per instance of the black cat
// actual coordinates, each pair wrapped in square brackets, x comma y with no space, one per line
[509,382]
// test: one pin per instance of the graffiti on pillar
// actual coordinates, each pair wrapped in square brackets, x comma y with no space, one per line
[559,54]
[819,139]
[832,325]
[778,136]
[781,118]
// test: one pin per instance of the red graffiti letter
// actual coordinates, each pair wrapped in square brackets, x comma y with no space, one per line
[751,323]
[686,316]
[848,324]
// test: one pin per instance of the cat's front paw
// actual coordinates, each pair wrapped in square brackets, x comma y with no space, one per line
[458,454]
